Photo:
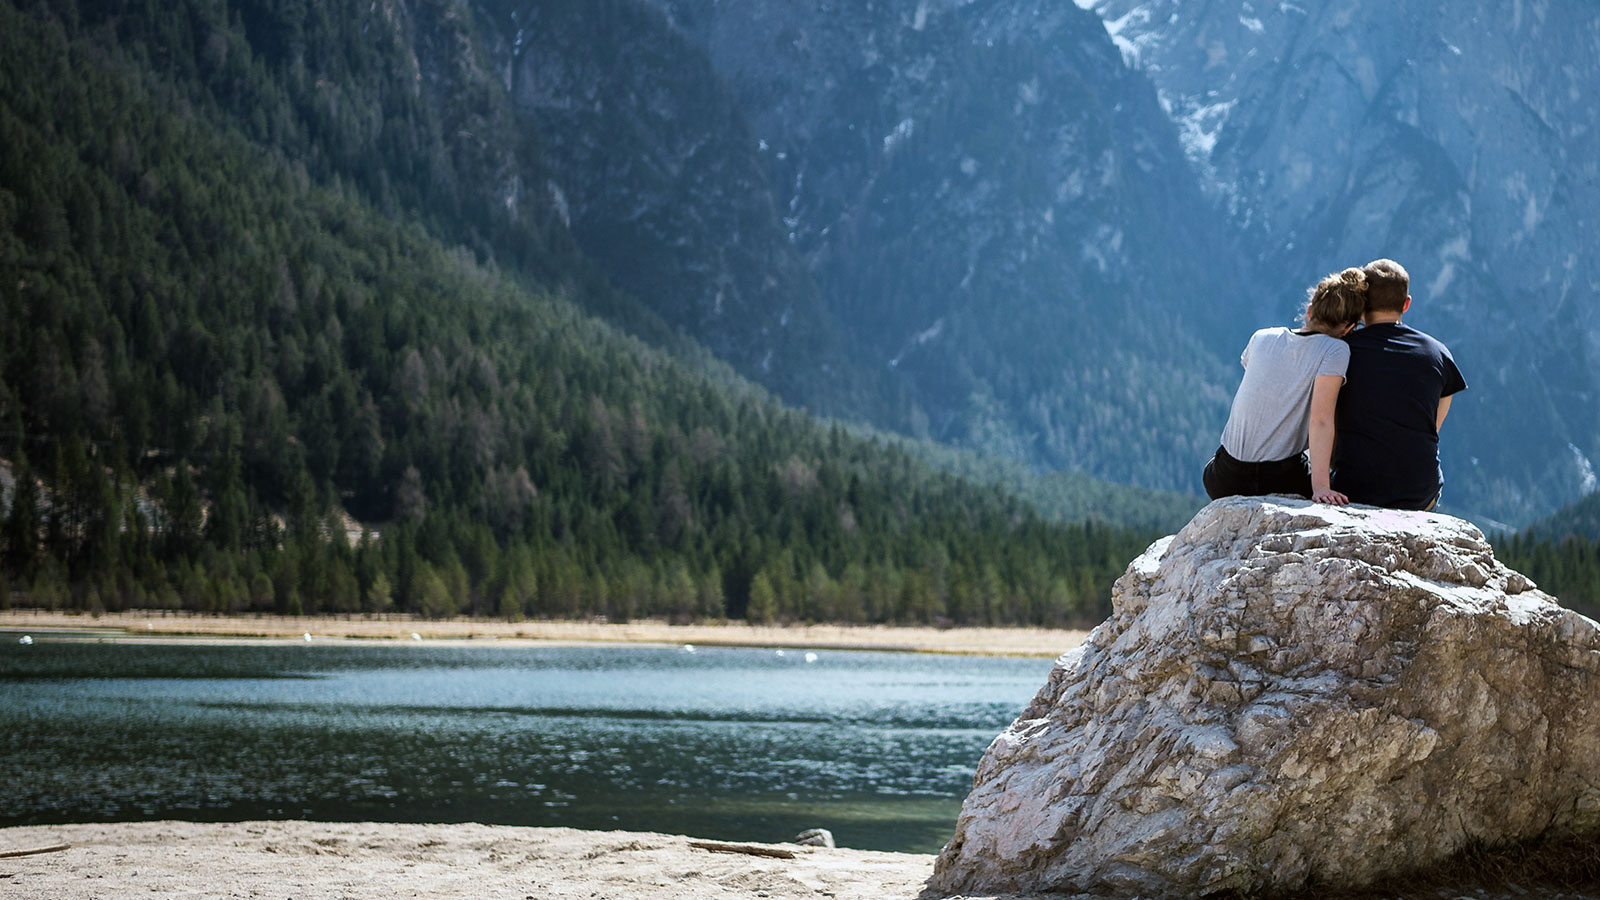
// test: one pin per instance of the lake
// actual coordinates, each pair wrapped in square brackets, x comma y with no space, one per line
[732,744]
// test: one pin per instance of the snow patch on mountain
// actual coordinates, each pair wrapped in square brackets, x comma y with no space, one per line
[900,134]
[1454,251]
[1587,482]
[1199,128]
[1103,248]
[918,339]
[1131,34]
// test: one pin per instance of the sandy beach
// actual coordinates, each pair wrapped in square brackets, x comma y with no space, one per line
[157,625]
[312,860]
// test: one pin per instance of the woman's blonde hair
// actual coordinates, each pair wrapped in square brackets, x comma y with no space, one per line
[1337,300]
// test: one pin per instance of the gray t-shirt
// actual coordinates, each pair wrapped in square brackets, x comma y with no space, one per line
[1271,416]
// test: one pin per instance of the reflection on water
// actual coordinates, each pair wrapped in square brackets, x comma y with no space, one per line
[737,744]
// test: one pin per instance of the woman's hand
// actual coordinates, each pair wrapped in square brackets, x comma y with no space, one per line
[1330,497]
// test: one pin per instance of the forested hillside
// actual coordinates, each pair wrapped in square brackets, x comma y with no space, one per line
[231,331]
[1562,553]
[1567,568]
[1581,519]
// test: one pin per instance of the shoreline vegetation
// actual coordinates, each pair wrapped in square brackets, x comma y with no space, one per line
[170,625]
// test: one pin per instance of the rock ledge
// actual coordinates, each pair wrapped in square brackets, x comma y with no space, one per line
[1291,693]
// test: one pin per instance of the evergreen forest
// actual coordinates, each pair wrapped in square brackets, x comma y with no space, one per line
[1567,568]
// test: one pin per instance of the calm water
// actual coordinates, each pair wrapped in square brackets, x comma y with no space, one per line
[723,743]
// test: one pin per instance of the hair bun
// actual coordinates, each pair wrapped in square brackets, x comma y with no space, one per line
[1337,300]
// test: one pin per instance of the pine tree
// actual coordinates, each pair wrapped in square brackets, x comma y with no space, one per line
[763,608]
[21,535]
[518,590]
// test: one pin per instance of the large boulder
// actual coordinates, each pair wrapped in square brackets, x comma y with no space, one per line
[1291,693]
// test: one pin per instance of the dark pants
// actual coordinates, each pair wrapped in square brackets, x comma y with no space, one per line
[1228,477]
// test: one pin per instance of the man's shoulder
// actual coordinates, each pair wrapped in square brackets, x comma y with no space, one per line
[1425,344]
[1432,341]
[1435,349]
[1413,330]
[1395,336]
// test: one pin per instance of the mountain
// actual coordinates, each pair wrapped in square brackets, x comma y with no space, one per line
[1461,139]
[1043,232]
[285,333]
[1019,228]
[657,175]
[989,208]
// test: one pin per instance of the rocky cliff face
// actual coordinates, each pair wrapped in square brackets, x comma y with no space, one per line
[999,213]
[1287,693]
[661,182]
[1460,139]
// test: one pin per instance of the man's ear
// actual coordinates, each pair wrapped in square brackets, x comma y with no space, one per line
[1407,307]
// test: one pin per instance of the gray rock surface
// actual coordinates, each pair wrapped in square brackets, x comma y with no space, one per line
[1288,693]
[815,837]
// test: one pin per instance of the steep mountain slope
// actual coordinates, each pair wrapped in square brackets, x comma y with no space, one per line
[993,208]
[656,173]
[1460,139]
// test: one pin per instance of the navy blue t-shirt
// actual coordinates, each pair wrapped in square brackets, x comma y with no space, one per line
[1386,450]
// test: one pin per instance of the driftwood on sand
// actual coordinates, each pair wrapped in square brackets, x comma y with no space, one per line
[751,849]
[34,851]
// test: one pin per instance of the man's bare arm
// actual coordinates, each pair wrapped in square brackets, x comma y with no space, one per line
[1444,410]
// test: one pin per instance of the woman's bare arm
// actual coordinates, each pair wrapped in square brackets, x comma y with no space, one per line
[1324,400]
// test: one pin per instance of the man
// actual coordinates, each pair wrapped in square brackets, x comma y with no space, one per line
[1397,392]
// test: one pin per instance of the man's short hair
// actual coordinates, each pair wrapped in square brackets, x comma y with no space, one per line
[1388,286]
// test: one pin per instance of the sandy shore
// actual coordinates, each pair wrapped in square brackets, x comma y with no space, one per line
[311,860]
[372,861]
[155,625]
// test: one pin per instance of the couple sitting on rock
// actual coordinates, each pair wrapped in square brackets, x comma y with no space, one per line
[1338,413]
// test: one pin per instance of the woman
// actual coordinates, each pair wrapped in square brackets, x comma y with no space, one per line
[1286,401]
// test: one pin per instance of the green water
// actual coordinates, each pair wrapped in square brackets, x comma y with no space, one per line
[734,744]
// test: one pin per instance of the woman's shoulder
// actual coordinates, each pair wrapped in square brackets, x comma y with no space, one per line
[1332,345]
[1333,354]
[1325,340]
[1298,344]
[1272,333]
